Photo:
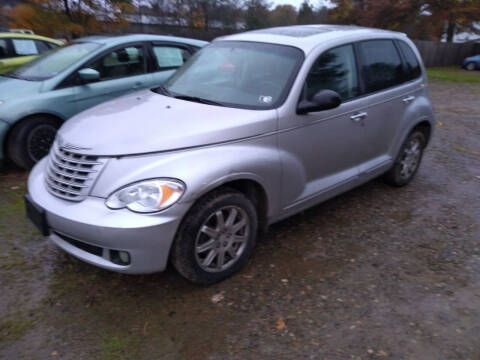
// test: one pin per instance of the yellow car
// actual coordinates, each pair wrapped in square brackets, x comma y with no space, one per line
[16,49]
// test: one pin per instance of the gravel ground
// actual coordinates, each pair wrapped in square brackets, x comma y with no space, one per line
[377,273]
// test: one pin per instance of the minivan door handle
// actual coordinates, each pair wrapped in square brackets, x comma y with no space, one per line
[359,117]
[408,99]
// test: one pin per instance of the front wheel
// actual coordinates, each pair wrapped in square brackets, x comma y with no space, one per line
[31,140]
[216,237]
[471,66]
[408,160]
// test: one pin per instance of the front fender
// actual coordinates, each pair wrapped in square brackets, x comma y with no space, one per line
[201,169]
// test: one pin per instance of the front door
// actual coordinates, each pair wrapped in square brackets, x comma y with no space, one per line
[322,150]
[122,70]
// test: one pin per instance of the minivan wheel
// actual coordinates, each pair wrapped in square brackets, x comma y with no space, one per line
[471,66]
[216,238]
[31,140]
[408,160]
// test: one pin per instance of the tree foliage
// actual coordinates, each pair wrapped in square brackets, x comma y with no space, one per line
[70,18]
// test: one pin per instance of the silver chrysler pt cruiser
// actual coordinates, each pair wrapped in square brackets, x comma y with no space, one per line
[254,128]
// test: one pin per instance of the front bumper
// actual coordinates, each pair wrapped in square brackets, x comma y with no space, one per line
[90,231]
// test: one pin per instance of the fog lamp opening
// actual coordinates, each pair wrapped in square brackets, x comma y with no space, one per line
[120,257]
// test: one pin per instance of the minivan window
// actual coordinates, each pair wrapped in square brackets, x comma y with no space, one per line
[170,57]
[238,74]
[334,70]
[53,62]
[128,61]
[412,70]
[381,65]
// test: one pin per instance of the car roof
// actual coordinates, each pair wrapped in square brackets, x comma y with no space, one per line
[28,36]
[306,37]
[113,40]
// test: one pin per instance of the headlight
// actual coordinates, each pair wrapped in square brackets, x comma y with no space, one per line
[1,102]
[147,196]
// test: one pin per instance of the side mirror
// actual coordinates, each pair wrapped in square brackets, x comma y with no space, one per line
[88,75]
[323,100]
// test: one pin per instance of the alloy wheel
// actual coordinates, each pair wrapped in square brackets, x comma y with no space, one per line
[222,239]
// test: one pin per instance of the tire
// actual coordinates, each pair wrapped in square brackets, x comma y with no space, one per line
[31,139]
[201,239]
[408,160]
[471,66]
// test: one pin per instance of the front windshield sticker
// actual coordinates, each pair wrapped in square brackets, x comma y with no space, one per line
[265,99]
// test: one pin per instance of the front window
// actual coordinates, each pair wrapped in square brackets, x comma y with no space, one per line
[53,62]
[237,74]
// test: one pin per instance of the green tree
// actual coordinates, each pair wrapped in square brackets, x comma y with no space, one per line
[283,15]
[306,14]
[257,14]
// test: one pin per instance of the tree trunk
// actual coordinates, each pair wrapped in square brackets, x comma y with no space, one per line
[451,30]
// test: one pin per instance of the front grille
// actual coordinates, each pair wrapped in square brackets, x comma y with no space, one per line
[70,175]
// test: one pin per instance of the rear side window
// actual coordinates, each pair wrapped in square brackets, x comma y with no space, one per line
[24,47]
[170,57]
[412,70]
[381,65]
[334,70]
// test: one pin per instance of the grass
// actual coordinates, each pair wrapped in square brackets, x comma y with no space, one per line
[454,74]
[13,329]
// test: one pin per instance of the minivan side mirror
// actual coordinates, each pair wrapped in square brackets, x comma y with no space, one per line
[88,75]
[322,100]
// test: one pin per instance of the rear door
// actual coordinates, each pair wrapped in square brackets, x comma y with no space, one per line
[387,93]
[122,70]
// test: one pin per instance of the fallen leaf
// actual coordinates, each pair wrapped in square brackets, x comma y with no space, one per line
[439,123]
[15,188]
[382,353]
[218,297]
[280,324]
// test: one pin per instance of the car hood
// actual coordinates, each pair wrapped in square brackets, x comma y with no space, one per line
[146,122]
[16,88]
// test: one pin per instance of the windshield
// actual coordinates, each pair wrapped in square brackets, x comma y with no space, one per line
[237,74]
[53,62]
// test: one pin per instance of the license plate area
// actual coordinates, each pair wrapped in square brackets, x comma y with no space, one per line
[37,216]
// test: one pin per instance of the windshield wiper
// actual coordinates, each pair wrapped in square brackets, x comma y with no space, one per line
[163,90]
[198,99]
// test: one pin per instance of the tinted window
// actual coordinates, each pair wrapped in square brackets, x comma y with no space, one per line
[412,70]
[51,45]
[120,63]
[381,65]
[3,49]
[334,70]
[24,47]
[170,57]
[41,46]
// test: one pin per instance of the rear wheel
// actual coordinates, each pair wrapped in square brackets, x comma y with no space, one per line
[216,238]
[471,66]
[31,140]
[408,160]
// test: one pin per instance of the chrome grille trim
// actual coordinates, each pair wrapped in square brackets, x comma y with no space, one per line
[70,175]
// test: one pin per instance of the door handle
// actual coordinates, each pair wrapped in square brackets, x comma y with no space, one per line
[408,99]
[359,117]
[137,85]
